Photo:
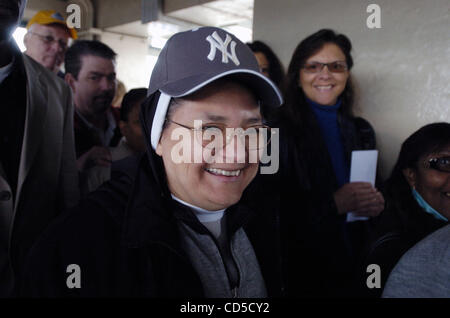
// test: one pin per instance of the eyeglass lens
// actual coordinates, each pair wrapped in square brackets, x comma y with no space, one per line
[335,67]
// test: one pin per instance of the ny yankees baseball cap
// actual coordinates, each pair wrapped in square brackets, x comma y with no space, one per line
[192,59]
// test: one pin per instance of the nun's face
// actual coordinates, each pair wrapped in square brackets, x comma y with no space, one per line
[220,183]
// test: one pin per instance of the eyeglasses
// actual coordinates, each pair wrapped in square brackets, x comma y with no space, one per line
[217,135]
[334,67]
[440,164]
[49,40]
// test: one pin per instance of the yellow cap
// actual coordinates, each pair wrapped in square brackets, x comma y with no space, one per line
[51,16]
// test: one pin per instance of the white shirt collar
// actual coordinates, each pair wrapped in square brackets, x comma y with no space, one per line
[202,214]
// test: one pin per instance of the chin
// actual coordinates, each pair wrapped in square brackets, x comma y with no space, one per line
[225,200]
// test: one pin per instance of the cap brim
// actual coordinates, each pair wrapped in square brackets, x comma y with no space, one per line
[265,90]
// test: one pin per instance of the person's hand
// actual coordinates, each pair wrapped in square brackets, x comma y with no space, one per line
[96,156]
[360,198]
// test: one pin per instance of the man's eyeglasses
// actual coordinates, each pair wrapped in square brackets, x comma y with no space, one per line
[49,40]
[334,67]
[440,164]
[208,135]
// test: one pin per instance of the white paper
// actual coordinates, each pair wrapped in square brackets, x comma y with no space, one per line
[363,169]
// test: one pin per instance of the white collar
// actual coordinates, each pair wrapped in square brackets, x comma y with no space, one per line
[202,214]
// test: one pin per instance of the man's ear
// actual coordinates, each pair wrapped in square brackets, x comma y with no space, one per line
[410,176]
[26,38]
[70,80]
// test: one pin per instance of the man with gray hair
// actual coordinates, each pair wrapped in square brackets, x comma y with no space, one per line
[47,39]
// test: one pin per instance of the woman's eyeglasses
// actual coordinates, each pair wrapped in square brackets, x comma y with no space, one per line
[317,67]
[217,135]
[440,164]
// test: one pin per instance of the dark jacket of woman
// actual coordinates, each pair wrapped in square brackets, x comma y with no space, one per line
[320,255]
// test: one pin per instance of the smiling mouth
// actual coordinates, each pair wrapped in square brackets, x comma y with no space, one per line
[324,88]
[226,173]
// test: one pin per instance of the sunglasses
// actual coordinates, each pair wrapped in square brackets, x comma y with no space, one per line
[334,67]
[440,164]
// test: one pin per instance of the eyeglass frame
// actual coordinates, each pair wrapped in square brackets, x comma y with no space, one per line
[322,65]
[228,137]
[49,40]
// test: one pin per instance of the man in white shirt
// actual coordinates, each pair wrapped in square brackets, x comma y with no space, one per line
[91,73]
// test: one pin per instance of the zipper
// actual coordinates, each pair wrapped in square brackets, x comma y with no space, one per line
[234,292]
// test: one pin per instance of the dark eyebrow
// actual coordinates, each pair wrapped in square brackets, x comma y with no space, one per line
[215,118]
[100,74]
[222,119]
[254,120]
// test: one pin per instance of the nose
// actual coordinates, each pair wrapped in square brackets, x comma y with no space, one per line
[235,150]
[106,84]
[55,47]
[325,72]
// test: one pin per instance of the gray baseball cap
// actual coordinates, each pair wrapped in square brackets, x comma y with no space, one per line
[192,59]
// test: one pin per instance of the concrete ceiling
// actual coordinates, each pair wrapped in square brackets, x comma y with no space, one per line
[233,15]
[124,17]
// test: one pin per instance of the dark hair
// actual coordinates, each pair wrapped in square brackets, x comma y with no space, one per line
[426,140]
[296,104]
[276,70]
[131,100]
[72,60]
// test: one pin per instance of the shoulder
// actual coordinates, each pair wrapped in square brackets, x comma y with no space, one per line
[55,85]
[365,133]
[429,263]
[362,124]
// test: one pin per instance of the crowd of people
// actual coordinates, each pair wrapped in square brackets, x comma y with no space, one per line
[161,197]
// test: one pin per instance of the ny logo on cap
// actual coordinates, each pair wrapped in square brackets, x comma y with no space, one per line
[216,43]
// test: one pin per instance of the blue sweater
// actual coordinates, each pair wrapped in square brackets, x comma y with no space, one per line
[327,118]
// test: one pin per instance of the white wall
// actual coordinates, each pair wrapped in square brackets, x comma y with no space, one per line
[401,71]
[134,65]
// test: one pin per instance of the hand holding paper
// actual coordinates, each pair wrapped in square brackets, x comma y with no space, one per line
[363,169]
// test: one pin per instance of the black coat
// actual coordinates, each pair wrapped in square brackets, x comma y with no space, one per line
[320,249]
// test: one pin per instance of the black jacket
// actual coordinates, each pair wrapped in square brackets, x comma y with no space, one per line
[124,237]
[320,248]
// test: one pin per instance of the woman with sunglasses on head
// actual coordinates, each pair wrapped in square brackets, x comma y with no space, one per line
[417,198]
[318,133]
